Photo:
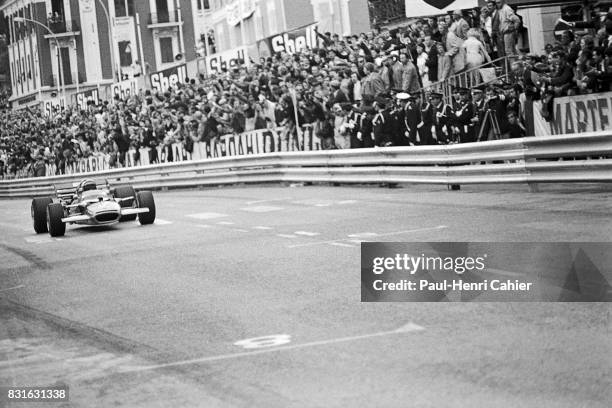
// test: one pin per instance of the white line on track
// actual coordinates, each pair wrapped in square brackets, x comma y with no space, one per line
[203,225]
[347,202]
[14,287]
[267,201]
[263,228]
[286,235]
[307,233]
[206,215]
[226,223]
[159,221]
[439,227]
[262,208]
[363,235]
[408,328]
[340,244]
[239,230]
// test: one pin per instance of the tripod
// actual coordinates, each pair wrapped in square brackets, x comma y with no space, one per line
[489,122]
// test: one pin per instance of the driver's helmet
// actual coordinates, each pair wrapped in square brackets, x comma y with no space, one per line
[87,185]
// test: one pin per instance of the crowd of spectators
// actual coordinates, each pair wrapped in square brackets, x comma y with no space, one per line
[372,89]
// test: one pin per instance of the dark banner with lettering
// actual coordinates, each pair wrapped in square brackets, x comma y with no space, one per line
[161,81]
[257,142]
[290,41]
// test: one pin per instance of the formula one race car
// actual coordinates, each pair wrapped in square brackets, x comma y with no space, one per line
[91,203]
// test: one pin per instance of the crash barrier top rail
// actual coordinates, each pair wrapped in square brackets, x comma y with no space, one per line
[569,158]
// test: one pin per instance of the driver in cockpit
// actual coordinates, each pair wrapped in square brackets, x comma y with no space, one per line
[86,185]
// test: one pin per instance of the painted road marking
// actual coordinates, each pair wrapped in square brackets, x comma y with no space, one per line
[264,341]
[262,208]
[159,221]
[261,227]
[207,215]
[307,233]
[226,223]
[363,235]
[347,202]
[340,244]
[322,205]
[286,236]
[14,287]
[267,201]
[439,227]
[407,328]
[203,225]
[239,230]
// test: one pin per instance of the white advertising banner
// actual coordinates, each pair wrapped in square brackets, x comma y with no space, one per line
[575,114]
[124,89]
[244,144]
[53,106]
[419,8]
[227,60]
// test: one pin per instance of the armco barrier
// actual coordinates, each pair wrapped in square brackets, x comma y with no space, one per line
[243,144]
[571,158]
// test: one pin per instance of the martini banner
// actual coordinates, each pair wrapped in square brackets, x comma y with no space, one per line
[419,8]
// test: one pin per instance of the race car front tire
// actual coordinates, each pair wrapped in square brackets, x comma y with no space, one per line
[145,200]
[55,212]
[39,213]
[122,192]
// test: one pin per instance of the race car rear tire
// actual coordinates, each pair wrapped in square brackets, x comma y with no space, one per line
[122,192]
[145,200]
[39,213]
[55,212]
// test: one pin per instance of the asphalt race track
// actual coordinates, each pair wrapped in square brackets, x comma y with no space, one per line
[165,315]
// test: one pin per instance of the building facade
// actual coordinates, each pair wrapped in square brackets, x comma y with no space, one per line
[62,47]
[244,22]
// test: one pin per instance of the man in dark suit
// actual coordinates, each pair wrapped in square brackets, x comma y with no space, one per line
[412,121]
[442,115]
[398,127]
[382,124]
[365,127]
[463,117]
[479,111]
[432,58]
[427,118]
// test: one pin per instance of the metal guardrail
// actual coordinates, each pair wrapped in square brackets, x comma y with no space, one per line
[472,77]
[570,158]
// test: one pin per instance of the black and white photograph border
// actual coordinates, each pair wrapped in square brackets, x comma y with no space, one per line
[230,203]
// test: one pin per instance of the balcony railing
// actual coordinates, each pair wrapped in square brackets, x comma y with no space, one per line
[164,17]
[60,27]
